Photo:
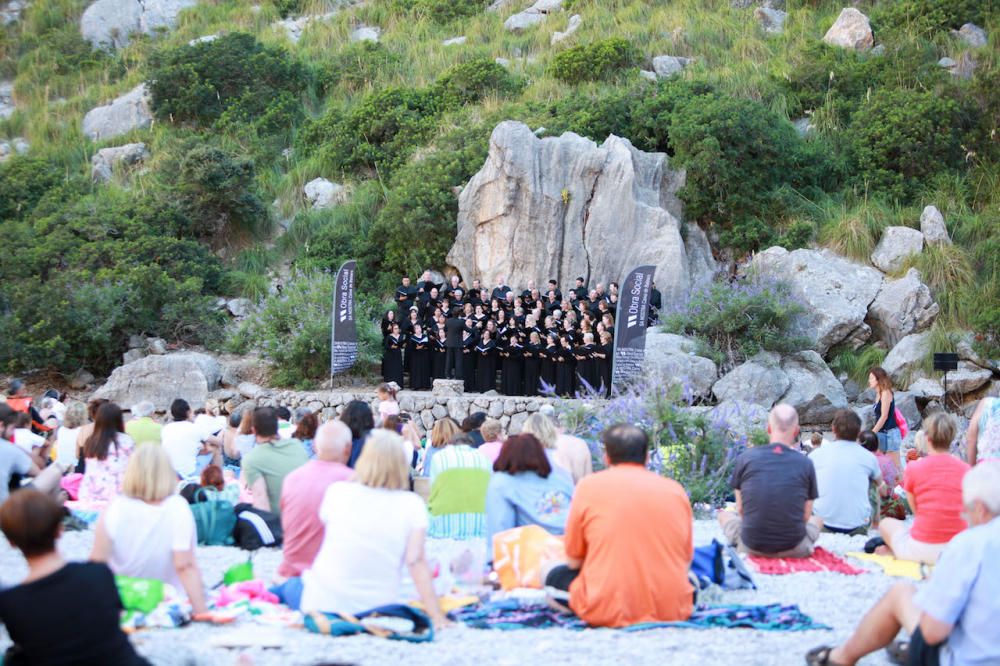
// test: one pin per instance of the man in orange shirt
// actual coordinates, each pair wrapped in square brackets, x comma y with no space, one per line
[628,540]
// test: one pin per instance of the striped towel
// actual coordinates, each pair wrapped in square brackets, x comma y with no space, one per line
[821,560]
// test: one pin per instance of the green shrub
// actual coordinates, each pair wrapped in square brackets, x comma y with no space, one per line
[738,320]
[902,138]
[469,82]
[925,17]
[23,182]
[358,65]
[856,363]
[652,115]
[197,83]
[596,61]
[593,114]
[443,11]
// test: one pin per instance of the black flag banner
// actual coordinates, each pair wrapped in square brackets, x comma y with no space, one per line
[344,350]
[630,326]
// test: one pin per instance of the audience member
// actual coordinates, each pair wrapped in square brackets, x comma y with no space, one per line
[387,405]
[63,612]
[442,432]
[106,453]
[492,433]
[568,451]
[141,427]
[616,515]
[271,461]
[951,619]
[306,424]
[886,427]
[844,473]
[458,480]
[983,437]
[303,491]
[69,430]
[357,415]
[86,429]
[190,446]
[933,488]
[526,490]
[472,424]
[15,463]
[775,487]
[884,502]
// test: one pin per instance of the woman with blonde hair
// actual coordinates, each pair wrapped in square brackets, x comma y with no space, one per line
[69,430]
[443,430]
[373,528]
[886,428]
[148,531]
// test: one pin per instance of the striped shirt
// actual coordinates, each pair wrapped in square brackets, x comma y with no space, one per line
[459,476]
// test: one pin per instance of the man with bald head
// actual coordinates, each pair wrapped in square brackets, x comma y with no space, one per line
[775,487]
[303,492]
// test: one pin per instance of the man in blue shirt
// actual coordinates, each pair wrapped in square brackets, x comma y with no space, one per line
[951,619]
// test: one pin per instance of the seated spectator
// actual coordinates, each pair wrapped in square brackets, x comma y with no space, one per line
[15,463]
[358,416]
[148,531]
[305,431]
[775,487]
[213,478]
[471,425]
[628,540]
[403,426]
[889,472]
[983,436]
[106,453]
[492,433]
[303,491]
[66,436]
[25,438]
[525,490]
[373,529]
[86,429]
[63,612]
[285,425]
[458,480]
[844,473]
[442,432]
[190,446]
[239,439]
[933,486]
[884,502]
[570,452]
[271,460]
[141,427]
[951,619]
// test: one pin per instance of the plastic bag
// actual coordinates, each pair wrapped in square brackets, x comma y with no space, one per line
[518,555]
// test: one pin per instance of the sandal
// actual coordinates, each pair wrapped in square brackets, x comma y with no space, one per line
[899,652]
[873,543]
[820,656]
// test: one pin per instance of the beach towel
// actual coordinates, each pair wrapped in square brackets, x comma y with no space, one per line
[510,614]
[893,567]
[820,560]
[395,622]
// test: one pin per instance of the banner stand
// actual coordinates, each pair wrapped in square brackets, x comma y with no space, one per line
[344,331]
[630,326]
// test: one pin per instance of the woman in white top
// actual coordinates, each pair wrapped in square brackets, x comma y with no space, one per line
[66,436]
[105,454]
[373,528]
[148,531]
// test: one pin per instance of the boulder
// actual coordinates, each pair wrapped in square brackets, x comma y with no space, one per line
[851,30]
[813,390]
[927,389]
[80,379]
[972,34]
[294,27]
[204,39]
[901,307]
[449,387]
[323,194]
[933,228]
[7,106]
[250,390]
[896,246]
[120,116]
[239,307]
[648,75]
[110,23]
[672,358]
[759,380]
[967,353]
[575,21]
[904,359]
[532,16]
[740,418]
[559,207]
[102,164]
[835,292]
[967,378]
[665,66]
[771,20]
[365,33]
[17,146]
[455,41]
[803,126]
[746,4]
[161,379]
[10,13]
[156,345]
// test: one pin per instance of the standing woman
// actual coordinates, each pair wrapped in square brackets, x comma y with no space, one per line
[439,350]
[486,363]
[885,428]
[392,356]
[513,362]
[532,363]
[469,358]
[549,355]
[387,321]
[419,351]
[105,455]
[983,436]
[605,352]
[566,367]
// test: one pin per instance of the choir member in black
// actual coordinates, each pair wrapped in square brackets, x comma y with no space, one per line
[486,363]
[469,359]
[418,350]
[549,356]
[387,321]
[586,364]
[605,354]
[438,352]
[565,368]
[532,363]
[406,295]
[392,356]
[512,357]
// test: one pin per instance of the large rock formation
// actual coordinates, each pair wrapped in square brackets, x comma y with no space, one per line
[120,116]
[110,23]
[813,390]
[566,207]
[674,358]
[161,379]
[896,246]
[760,380]
[104,161]
[903,362]
[835,292]
[851,30]
[901,307]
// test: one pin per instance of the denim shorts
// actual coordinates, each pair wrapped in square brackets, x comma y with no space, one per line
[889,440]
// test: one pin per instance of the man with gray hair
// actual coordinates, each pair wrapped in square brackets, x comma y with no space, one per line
[951,619]
[303,492]
[141,427]
[775,487]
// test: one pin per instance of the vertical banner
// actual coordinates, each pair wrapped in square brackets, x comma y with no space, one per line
[344,348]
[630,326]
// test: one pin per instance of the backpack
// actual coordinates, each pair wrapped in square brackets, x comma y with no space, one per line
[721,565]
[256,528]
[904,427]
[214,518]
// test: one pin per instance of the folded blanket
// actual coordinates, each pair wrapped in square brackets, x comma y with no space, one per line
[510,614]
[893,567]
[821,560]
